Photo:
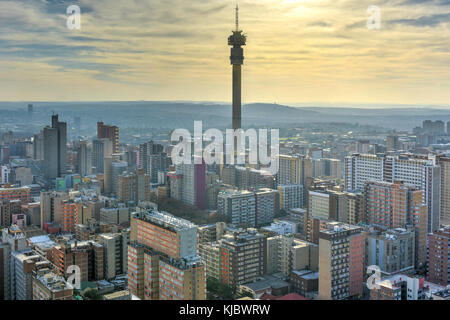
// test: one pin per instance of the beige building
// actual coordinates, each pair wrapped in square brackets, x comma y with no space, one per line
[286,253]
[341,262]
[52,206]
[445,190]
[133,187]
[162,258]
[115,253]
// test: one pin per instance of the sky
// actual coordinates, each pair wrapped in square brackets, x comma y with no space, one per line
[297,51]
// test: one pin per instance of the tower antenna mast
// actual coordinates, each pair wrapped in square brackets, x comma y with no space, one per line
[237,17]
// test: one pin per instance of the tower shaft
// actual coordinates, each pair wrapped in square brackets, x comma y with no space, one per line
[237,98]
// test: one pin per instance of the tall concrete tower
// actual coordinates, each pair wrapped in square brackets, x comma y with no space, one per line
[237,40]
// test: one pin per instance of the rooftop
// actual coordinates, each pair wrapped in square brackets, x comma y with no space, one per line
[167,220]
[53,282]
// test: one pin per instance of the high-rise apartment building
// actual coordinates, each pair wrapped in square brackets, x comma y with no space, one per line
[286,253]
[193,184]
[330,205]
[115,215]
[8,209]
[341,262]
[109,132]
[52,206]
[157,163]
[133,187]
[162,258]
[266,206]
[55,149]
[439,256]
[392,250]
[23,263]
[396,205]
[38,146]
[70,216]
[291,196]
[238,258]
[116,168]
[87,255]
[13,239]
[116,253]
[421,172]
[238,206]
[445,189]
[331,168]
[101,149]
[146,150]
[291,170]
[84,159]
[250,178]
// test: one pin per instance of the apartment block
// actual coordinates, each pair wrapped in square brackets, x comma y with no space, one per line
[341,262]
[22,194]
[115,253]
[292,196]
[445,190]
[87,255]
[286,253]
[238,206]
[393,251]
[395,205]
[266,206]
[238,258]
[422,172]
[162,258]
[49,286]
[439,256]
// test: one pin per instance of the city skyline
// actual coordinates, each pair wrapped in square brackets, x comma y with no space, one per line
[172,50]
[119,201]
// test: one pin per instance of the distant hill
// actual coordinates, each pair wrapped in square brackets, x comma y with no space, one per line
[159,114]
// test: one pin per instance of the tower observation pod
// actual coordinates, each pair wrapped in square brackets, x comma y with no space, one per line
[237,40]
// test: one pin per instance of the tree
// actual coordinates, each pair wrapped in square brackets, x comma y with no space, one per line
[92,294]
[217,289]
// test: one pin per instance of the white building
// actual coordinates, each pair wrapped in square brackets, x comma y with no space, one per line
[291,196]
[266,205]
[282,227]
[418,171]
[239,206]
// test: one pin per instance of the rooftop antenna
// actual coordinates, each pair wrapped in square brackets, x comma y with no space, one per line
[237,17]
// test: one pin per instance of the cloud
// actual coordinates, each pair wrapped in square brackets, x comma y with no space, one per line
[424,21]
[177,49]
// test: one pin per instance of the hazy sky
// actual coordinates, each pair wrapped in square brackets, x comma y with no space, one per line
[297,51]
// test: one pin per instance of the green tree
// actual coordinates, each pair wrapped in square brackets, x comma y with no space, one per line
[92,294]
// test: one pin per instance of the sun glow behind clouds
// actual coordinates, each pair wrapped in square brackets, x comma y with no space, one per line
[304,50]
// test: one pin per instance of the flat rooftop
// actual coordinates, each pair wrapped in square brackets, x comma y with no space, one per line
[168,220]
